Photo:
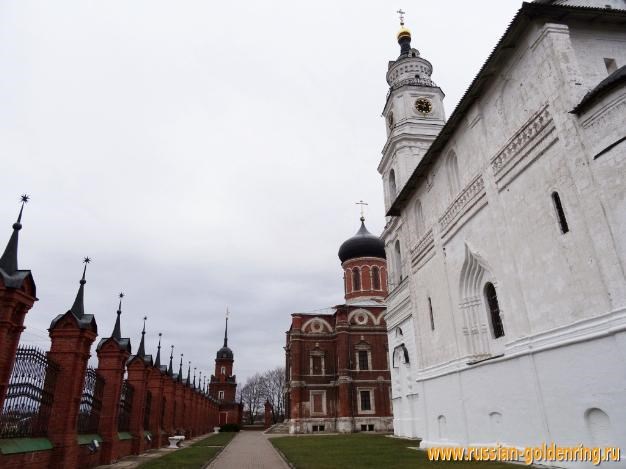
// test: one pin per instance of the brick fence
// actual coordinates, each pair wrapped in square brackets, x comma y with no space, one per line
[57,412]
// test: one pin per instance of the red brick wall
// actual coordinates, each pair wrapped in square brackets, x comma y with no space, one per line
[365,266]
[223,381]
[351,329]
[35,460]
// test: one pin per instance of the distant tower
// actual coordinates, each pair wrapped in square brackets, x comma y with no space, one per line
[364,265]
[413,113]
[223,385]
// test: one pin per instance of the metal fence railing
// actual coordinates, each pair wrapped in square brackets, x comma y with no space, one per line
[30,393]
[90,402]
[126,403]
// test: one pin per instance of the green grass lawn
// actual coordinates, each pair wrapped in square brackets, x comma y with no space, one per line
[194,456]
[363,451]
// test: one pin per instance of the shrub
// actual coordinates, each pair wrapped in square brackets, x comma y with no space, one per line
[229,427]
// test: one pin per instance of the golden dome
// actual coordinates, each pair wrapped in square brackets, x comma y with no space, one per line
[404,32]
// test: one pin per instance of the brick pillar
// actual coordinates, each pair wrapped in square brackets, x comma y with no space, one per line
[14,304]
[17,295]
[180,401]
[156,385]
[169,391]
[193,412]
[268,414]
[188,411]
[71,342]
[138,376]
[111,365]
[344,410]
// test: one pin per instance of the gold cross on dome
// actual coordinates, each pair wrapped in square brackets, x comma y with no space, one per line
[362,204]
[401,13]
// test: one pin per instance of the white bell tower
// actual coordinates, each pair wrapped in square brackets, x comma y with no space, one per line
[413,114]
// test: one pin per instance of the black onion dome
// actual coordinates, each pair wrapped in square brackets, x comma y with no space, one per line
[362,244]
[225,352]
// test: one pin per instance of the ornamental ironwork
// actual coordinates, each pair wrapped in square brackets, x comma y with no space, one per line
[90,402]
[126,406]
[30,394]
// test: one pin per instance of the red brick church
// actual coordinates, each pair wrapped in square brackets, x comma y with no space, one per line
[337,368]
[223,384]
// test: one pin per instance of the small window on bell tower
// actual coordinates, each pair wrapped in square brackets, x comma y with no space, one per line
[223,370]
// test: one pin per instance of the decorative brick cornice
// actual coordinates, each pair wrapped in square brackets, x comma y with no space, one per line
[473,192]
[522,143]
[423,247]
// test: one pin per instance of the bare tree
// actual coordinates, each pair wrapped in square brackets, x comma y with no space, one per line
[251,395]
[272,383]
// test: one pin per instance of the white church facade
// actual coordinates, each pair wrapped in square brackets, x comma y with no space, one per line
[506,237]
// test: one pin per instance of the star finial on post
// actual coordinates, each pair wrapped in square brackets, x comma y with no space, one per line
[362,204]
[24,198]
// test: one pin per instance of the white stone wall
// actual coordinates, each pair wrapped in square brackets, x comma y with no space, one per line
[562,296]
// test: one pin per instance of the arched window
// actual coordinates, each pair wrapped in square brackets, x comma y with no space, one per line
[452,168]
[223,370]
[356,279]
[494,310]
[560,214]
[419,219]
[430,311]
[398,261]
[375,278]
[392,184]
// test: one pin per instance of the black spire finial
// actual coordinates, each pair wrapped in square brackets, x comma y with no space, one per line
[180,369]
[194,376]
[189,373]
[8,261]
[117,331]
[170,370]
[78,308]
[157,362]
[226,329]
[141,353]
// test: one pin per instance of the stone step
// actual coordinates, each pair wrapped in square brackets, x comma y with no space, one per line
[281,427]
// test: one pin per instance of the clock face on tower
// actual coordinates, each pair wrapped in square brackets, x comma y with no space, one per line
[423,106]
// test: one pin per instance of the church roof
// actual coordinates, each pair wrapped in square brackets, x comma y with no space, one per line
[503,49]
[615,79]
[225,352]
[362,244]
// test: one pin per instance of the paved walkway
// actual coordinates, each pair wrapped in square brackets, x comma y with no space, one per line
[249,450]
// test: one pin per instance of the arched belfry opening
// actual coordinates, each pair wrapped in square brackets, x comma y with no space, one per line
[478,302]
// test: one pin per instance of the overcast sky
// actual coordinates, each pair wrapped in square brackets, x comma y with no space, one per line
[206,154]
